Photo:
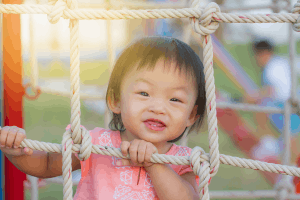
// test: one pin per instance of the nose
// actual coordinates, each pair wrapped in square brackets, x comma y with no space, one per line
[157,106]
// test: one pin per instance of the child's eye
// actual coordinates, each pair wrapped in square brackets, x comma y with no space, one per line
[144,94]
[175,99]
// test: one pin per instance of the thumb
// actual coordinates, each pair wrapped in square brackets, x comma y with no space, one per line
[28,151]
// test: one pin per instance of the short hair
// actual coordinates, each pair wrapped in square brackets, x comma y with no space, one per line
[263,45]
[145,53]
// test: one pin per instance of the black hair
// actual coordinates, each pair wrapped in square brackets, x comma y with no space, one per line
[262,45]
[145,53]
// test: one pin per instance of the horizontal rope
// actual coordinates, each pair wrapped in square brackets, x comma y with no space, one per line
[160,5]
[93,14]
[168,159]
[118,4]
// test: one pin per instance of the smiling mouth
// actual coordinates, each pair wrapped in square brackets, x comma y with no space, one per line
[155,125]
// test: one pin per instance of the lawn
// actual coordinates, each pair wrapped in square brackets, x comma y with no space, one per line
[45,120]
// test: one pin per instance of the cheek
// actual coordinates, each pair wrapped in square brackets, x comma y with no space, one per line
[132,106]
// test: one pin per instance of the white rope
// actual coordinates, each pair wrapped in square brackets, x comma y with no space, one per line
[168,159]
[94,14]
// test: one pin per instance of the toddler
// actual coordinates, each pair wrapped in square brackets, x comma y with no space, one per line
[156,91]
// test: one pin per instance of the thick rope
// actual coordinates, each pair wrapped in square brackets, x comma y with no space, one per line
[168,159]
[205,26]
[202,170]
[75,135]
[67,166]
[93,14]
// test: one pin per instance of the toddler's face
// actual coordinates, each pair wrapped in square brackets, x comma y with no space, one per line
[157,106]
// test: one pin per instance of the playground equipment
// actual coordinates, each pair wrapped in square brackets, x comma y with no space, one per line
[204,29]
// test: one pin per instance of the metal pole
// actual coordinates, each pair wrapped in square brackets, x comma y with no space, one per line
[34,190]
[283,192]
[292,52]
[12,96]
[248,194]
[287,116]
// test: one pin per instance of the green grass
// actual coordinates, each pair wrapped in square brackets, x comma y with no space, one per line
[45,119]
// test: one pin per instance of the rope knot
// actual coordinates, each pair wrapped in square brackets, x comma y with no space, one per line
[86,145]
[59,6]
[204,25]
[200,167]
[195,159]
[296,10]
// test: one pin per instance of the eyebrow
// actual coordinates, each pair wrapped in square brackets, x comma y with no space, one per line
[143,80]
[184,88]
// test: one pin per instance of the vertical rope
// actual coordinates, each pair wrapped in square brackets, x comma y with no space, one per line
[74,135]
[205,26]
[204,180]
[75,81]
[211,104]
[67,166]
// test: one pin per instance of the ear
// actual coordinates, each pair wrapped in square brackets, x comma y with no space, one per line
[193,116]
[114,106]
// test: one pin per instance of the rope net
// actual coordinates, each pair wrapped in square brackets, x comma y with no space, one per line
[204,21]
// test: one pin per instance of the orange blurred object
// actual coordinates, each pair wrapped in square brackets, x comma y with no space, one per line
[12,95]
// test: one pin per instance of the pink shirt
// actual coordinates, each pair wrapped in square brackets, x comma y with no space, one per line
[102,179]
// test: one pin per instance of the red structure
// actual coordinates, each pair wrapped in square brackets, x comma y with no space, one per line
[12,96]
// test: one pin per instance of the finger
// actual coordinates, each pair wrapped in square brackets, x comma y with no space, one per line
[11,136]
[149,152]
[124,148]
[127,162]
[3,135]
[133,151]
[123,162]
[28,151]
[19,138]
[155,149]
[141,151]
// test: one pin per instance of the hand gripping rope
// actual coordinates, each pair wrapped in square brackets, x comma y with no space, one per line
[205,22]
